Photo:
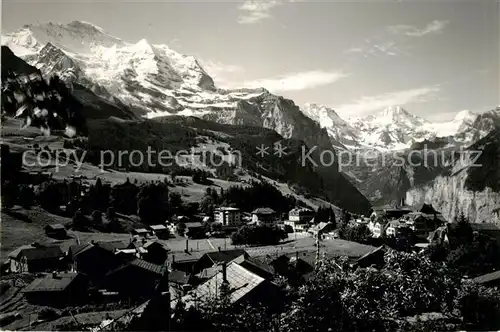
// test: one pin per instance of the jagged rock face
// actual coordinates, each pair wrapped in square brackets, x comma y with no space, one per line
[473,191]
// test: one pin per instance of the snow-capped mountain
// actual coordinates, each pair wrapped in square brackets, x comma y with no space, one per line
[395,128]
[153,79]
[391,129]
[340,131]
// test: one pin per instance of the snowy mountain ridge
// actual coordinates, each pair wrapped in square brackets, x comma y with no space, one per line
[394,128]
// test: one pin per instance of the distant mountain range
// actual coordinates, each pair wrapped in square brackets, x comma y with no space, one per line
[397,129]
[112,77]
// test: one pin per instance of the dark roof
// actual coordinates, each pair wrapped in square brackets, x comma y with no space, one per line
[373,257]
[427,208]
[225,255]
[178,277]
[182,257]
[155,243]
[263,211]
[141,264]
[51,283]
[76,249]
[41,253]
[112,245]
[485,278]
[257,266]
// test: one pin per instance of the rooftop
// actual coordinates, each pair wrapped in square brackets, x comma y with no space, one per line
[485,278]
[241,282]
[225,255]
[158,227]
[226,208]
[263,210]
[41,253]
[55,226]
[50,283]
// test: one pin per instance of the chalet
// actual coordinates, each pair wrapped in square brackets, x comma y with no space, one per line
[373,258]
[56,231]
[57,289]
[185,261]
[390,213]
[322,228]
[134,279]
[156,252]
[377,227]
[37,259]
[161,231]
[227,216]
[195,229]
[300,215]
[98,258]
[394,228]
[219,257]
[264,216]
[241,285]
[140,232]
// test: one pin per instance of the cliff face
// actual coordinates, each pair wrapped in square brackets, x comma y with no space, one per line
[448,195]
[472,188]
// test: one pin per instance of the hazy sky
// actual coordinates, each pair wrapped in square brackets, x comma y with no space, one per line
[434,58]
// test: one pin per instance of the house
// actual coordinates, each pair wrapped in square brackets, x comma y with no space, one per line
[241,286]
[377,227]
[322,228]
[422,223]
[195,229]
[37,259]
[258,267]
[140,232]
[56,231]
[185,261]
[227,216]
[490,279]
[156,252]
[161,231]
[390,213]
[219,257]
[57,289]
[394,228]
[300,215]
[264,216]
[373,258]
[97,258]
[134,279]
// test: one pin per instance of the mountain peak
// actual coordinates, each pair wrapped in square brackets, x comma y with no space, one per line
[464,115]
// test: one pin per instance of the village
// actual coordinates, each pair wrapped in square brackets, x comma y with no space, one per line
[64,278]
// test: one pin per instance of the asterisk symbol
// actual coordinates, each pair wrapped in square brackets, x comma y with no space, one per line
[262,151]
[279,150]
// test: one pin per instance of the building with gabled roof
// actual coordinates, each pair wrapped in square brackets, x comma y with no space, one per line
[240,284]
[37,259]
[212,258]
[134,279]
[57,289]
[264,215]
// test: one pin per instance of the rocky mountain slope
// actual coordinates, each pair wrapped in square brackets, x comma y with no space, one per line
[472,187]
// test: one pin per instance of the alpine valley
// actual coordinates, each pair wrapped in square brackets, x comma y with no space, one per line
[142,83]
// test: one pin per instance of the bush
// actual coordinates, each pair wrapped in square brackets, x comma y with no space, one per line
[258,235]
